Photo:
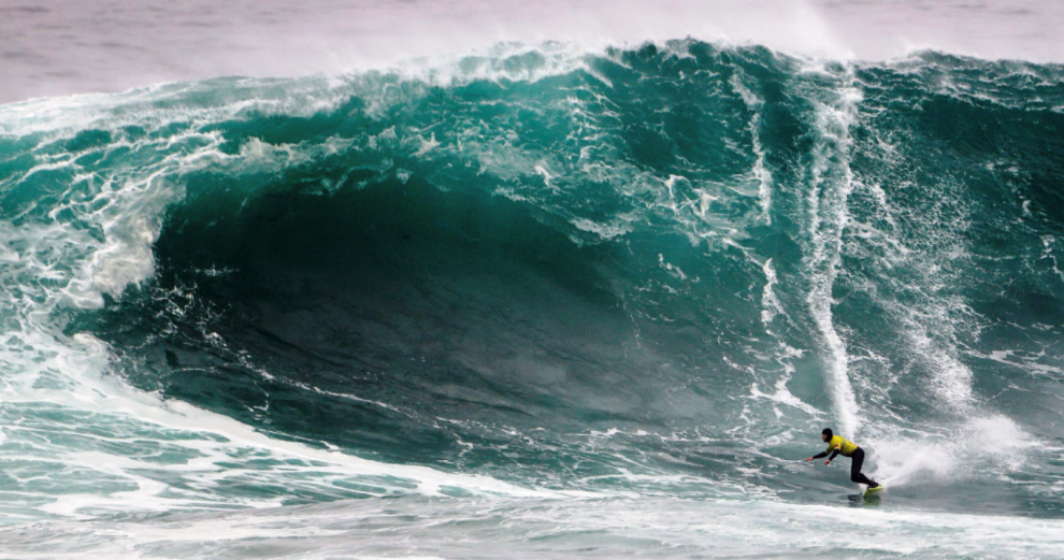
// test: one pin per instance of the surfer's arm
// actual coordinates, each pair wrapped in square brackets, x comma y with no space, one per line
[834,453]
[820,455]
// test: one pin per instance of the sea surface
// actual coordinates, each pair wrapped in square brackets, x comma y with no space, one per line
[544,292]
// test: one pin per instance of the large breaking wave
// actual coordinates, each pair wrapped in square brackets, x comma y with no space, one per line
[657,271]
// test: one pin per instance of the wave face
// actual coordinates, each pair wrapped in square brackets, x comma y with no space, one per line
[652,272]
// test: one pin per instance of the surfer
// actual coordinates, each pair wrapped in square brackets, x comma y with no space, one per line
[839,445]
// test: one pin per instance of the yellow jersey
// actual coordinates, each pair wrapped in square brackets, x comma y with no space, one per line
[845,446]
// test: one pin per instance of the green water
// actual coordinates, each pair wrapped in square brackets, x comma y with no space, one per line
[640,274]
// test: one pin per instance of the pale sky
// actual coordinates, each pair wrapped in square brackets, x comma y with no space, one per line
[58,47]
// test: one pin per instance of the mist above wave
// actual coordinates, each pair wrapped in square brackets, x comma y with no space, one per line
[59,47]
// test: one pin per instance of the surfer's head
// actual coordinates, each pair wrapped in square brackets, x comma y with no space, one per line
[827,434]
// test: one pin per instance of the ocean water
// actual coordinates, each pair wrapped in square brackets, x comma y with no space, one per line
[557,298]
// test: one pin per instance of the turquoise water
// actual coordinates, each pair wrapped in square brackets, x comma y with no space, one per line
[538,301]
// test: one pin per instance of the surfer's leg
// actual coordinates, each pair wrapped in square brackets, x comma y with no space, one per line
[855,469]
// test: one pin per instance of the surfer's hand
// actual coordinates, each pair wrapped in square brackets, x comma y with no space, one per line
[809,459]
[828,462]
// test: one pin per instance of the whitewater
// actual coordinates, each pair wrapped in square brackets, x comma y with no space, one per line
[542,281]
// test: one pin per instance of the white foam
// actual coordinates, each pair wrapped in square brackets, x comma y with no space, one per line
[770,303]
[1027,362]
[829,185]
[976,447]
[537,528]
[216,448]
[760,172]
[921,260]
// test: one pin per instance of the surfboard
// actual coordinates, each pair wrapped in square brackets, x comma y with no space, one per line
[873,492]
[870,497]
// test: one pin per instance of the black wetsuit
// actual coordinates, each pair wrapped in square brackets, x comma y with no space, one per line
[855,468]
